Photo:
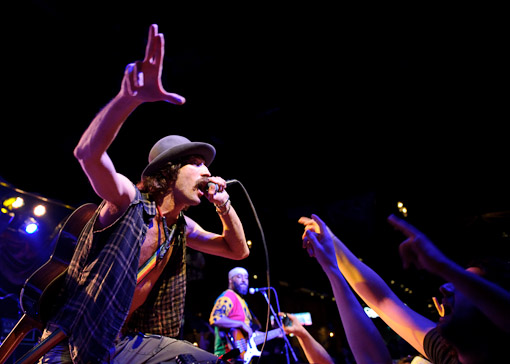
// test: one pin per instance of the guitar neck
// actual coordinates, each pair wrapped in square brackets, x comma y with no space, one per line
[18,333]
[259,339]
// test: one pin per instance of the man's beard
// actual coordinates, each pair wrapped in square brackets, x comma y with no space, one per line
[241,289]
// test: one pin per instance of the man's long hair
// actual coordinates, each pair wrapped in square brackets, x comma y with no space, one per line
[160,183]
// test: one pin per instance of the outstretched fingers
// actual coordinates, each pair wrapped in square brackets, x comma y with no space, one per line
[152,43]
[309,242]
[403,226]
[175,99]
[322,227]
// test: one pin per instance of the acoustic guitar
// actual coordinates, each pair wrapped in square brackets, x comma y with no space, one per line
[38,295]
[236,339]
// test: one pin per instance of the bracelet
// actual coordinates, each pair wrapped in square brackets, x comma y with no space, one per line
[224,208]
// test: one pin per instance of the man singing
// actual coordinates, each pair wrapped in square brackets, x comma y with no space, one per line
[124,291]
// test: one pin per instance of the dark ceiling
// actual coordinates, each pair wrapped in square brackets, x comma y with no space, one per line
[336,111]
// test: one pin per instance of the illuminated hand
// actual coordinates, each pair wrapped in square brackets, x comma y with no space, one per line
[318,240]
[142,79]
[417,249]
[295,328]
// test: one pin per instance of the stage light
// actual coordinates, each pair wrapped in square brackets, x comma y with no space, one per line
[30,226]
[39,210]
[6,218]
[19,202]
[14,203]
[402,208]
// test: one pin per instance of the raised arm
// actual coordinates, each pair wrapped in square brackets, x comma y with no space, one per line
[141,83]
[417,249]
[407,323]
[364,339]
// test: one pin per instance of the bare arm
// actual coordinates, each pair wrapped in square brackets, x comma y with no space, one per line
[314,352]
[364,339]
[141,83]
[490,298]
[230,244]
[227,323]
[410,325]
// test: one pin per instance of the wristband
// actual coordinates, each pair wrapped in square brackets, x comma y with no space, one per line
[224,208]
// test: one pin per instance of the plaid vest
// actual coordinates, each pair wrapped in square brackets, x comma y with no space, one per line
[101,280]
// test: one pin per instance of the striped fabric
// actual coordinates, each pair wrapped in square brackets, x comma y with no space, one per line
[162,313]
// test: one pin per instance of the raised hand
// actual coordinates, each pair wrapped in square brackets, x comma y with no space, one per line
[417,249]
[318,240]
[142,79]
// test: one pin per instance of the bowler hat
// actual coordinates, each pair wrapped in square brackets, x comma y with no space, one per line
[173,147]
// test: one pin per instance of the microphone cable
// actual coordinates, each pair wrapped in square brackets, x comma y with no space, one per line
[266,254]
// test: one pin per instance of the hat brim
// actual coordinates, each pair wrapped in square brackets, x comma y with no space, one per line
[206,151]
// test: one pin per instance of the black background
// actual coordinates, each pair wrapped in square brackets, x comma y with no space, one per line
[336,110]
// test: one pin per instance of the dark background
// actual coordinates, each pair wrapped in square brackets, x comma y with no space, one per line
[340,111]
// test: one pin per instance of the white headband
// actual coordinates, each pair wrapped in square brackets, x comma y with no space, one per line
[236,271]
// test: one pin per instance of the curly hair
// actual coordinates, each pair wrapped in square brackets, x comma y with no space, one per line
[158,184]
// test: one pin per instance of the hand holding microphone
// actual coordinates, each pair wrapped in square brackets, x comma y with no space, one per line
[214,190]
[214,185]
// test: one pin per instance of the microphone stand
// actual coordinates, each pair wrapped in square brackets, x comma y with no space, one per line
[279,322]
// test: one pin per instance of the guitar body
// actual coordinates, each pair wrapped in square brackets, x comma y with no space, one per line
[43,286]
[248,347]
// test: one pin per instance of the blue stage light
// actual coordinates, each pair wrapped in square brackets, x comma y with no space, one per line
[31,228]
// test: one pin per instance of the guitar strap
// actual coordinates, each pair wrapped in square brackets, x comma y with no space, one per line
[255,323]
[160,252]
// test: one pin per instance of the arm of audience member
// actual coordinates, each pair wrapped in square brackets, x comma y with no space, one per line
[315,352]
[365,341]
[407,323]
[417,249]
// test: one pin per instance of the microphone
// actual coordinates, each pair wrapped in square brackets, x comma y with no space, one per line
[254,290]
[205,187]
